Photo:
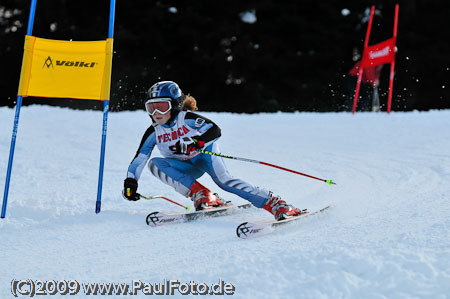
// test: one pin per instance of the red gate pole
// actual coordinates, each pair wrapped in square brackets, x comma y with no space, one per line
[361,69]
[391,77]
[358,84]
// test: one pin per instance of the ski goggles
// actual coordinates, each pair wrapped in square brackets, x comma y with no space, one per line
[160,105]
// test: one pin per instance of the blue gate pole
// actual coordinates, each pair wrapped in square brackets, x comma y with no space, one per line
[105,119]
[16,120]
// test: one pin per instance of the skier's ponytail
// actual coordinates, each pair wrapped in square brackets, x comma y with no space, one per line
[189,103]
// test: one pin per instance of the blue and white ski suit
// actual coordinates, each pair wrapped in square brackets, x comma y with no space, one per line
[180,171]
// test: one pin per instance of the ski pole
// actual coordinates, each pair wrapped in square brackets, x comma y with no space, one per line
[329,182]
[163,197]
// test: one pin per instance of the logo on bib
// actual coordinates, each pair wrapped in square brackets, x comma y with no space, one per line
[199,122]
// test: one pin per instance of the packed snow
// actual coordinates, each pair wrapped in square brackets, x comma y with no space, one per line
[386,235]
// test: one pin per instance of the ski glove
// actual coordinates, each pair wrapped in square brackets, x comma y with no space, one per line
[130,186]
[186,145]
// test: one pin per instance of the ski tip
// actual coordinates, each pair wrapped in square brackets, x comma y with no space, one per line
[241,230]
[188,208]
[248,230]
[150,219]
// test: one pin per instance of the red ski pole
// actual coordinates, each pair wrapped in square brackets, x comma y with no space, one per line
[329,182]
[166,198]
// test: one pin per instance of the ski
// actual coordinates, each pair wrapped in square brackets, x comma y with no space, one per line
[251,229]
[161,218]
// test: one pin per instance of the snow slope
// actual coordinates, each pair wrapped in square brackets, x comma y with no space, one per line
[386,235]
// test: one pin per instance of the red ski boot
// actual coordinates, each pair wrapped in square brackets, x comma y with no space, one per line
[279,208]
[203,198]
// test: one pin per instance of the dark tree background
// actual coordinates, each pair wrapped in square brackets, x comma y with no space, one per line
[294,57]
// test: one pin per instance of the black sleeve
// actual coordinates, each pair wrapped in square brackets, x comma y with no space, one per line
[147,133]
[212,133]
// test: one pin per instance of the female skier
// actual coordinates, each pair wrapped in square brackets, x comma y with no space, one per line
[179,134]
